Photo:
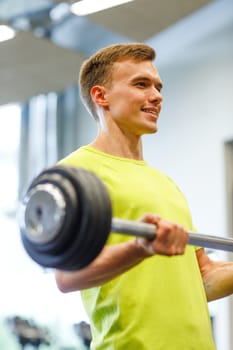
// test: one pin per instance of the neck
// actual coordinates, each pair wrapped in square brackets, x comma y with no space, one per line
[118,143]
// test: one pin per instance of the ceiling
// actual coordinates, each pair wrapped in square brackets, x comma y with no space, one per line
[141,19]
[51,43]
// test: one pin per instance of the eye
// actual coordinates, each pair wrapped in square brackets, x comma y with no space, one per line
[141,84]
[159,88]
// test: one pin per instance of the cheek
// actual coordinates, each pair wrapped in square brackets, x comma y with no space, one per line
[125,102]
[119,103]
[119,110]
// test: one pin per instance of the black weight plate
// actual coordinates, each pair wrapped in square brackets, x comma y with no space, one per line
[87,235]
[91,244]
[76,256]
[71,257]
[80,255]
[99,228]
[50,253]
[61,240]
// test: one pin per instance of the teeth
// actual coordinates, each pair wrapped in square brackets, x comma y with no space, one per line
[149,111]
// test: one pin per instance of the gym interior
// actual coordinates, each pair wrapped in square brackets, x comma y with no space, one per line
[42,119]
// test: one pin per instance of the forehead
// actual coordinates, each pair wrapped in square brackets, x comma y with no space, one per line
[131,69]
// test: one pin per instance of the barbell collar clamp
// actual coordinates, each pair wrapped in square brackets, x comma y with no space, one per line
[42,213]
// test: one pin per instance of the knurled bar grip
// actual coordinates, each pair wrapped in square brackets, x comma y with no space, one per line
[148,231]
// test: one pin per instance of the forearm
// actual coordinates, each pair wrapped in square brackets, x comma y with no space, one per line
[218,281]
[116,259]
[112,261]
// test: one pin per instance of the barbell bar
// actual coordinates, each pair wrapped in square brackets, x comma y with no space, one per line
[149,231]
[66,217]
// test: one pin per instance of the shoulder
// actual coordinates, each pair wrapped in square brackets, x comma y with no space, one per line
[77,158]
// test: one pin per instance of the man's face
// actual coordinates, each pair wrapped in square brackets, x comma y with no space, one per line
[134,97]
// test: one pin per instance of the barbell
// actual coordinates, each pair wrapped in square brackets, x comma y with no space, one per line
[66,217]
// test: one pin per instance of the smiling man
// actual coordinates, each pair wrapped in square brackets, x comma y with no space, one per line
[139,294]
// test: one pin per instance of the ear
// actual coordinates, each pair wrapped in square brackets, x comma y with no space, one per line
[98,95]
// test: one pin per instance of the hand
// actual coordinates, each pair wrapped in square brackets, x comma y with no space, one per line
[171,239]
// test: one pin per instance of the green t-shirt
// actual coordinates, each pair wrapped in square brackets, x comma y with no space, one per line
[159,304]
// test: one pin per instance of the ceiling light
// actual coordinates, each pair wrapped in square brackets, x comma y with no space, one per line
[6,33]
[59,12]
[85,7]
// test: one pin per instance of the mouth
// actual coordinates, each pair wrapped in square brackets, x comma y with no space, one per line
[154,112]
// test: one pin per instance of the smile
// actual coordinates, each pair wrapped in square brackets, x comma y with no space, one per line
[151,111]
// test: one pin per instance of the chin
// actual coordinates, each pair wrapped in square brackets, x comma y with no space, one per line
[147,128]
[152,130]
[149,131]
[152,127]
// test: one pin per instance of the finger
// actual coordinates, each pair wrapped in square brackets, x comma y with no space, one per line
[151,218]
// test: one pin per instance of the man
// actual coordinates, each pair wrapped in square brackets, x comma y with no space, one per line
[140,294]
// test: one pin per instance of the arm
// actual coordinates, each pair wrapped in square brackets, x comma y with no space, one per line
[111,262]
[116,259]
[217,276]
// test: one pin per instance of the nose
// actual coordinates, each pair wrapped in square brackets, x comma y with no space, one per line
[155,96]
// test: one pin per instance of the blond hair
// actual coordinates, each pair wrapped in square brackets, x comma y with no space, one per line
[97,69]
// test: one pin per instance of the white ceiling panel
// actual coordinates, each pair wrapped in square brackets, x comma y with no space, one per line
[31,66]
[142,19]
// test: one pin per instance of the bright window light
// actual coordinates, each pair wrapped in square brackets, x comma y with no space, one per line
[6,33]
[86,7]
[10,116]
